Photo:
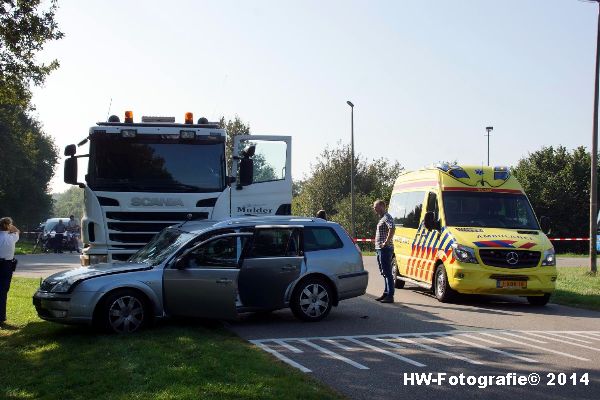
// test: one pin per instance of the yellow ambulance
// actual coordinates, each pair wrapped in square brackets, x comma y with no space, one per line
[467,229]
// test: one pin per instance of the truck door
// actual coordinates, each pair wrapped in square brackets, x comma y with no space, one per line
[205,284]
[272,263]
[270,192]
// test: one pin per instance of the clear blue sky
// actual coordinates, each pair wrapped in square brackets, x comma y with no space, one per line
[426,77]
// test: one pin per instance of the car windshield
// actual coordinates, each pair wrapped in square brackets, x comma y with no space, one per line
[489,210]
[156,164]
[162,245]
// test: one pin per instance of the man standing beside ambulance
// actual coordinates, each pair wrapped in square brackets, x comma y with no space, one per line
[384,248]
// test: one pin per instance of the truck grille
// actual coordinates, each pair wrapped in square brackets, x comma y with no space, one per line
[129,231]
[504,258]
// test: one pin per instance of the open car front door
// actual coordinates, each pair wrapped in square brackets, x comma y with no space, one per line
[269,191]
[203,282]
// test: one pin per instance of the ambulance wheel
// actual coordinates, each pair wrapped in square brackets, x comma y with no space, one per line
[398,283]
[539,300]
[442,290]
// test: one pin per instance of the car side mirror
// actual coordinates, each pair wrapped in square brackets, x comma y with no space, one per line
[545,224]
[429,221]
[182,262]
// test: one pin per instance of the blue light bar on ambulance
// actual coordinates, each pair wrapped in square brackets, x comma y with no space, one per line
[128,133]
[458,173]
[501,173]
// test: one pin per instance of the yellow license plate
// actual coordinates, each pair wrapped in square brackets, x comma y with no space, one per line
[511,284]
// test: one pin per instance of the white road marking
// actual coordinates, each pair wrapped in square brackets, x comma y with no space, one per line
[387,353]
[287,346]
[584,335]
[537,347]
[495,338]
[426,346]
[523,337]
[333,354]
[337,344]
[565,341]
[479,346]
[282,357]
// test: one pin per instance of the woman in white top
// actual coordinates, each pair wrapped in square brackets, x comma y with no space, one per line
[9,235]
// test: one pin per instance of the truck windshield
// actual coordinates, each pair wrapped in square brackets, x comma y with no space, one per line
[156,165]
[163,244]
[489,210]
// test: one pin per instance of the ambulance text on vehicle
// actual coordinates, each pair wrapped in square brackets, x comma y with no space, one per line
[470,230]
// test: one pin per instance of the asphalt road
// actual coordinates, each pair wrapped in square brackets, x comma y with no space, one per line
[367,350]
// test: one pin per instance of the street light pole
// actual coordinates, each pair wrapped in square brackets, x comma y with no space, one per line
[594,157]
[489,129]
[352,168]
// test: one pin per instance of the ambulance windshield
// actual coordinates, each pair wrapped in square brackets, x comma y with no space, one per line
[489,210]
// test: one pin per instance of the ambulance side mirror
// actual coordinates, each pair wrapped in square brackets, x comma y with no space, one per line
[430,222]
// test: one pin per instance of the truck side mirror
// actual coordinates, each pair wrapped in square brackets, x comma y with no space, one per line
[545,224]
[70,150]
[70,175]
[246,171]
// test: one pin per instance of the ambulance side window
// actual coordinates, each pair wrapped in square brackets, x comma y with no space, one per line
[406,209]
[414,207]
[397,208]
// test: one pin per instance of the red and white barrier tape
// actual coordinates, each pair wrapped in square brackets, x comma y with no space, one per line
[554,239]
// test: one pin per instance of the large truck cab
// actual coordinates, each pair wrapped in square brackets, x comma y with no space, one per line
[144,176]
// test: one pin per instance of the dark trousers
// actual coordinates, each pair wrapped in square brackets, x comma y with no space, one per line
[6,273]
[58,238]
[384,259]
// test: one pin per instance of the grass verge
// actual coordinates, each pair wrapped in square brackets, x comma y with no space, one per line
[195,360]
[23,248]
[576,287]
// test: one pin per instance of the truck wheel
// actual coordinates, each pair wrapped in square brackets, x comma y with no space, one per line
[312,300]
[398,283]
[539,300]
[443,291]
[123,311]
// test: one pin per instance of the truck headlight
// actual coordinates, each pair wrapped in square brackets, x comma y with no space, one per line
[549,258]
[464,254]
[98,258]
[61,287]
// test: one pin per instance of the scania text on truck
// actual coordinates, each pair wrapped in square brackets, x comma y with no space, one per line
[144,176]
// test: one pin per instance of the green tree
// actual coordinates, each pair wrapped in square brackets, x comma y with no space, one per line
[25,28]
[68,203]
[558,186]
[233,127]
[26,166]
[328,188]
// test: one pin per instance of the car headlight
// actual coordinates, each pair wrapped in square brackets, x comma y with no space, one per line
[549,258]
[464,254]
[61,286]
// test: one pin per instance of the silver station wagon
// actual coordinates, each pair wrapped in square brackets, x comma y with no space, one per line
[213,270]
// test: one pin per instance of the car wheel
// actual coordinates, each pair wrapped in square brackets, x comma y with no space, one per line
[443,291]
[398,283]
[539,300]
[123,311]
[312,300]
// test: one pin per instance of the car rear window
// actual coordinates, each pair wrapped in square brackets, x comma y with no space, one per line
[321,238]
